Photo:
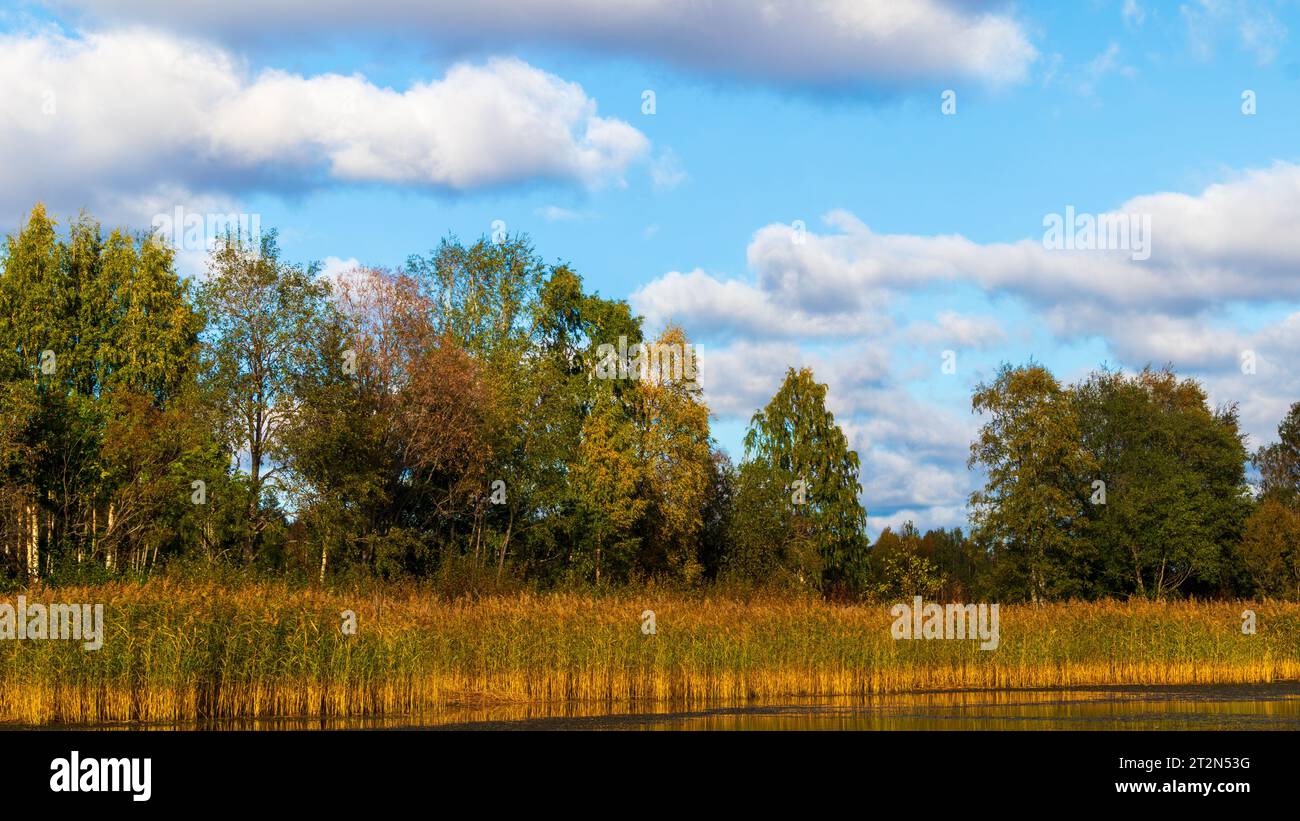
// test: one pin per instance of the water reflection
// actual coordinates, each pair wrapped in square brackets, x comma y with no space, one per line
[1245,707]
[1272,707]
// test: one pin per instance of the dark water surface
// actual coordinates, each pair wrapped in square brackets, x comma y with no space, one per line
[1243,707]
[1271,707]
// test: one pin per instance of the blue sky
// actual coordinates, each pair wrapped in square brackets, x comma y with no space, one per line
[923,229]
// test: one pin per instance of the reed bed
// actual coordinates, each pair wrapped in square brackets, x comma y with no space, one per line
[178,652]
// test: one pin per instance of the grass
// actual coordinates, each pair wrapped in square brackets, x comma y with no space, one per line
[177,652]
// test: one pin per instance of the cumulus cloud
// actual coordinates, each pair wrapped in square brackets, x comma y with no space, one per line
[822,298]
[732,307]
[816,43]
[924,519]
[740,377]
[128,113]
[1256,371]
[911,454]
[334,268]
[1232,242]
[957,330]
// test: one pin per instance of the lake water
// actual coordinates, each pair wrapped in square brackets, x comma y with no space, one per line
[1245,707]
[1272,707]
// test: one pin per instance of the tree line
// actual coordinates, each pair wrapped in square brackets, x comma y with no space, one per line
[458,419]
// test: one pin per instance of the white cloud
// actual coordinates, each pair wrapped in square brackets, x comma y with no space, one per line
[1257,30]
[127,112]
[1133,13]
[554,213]
[1265,391]
[838,43]
[734,306]
[143,209]
[332,268]
[1233,242]
[1188,342]
[912,454]
[666,171]
[924,519]
[957,331]
[740,378]
[1098,68]
[822,300]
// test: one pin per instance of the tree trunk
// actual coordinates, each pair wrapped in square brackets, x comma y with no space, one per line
[475,535]
[94,533]
[110,557]
[505,542]
[33,543]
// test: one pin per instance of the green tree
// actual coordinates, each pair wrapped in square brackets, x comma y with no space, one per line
[1270,548]
[1174,482]
[676,456]
[262,314]
[963,564]
[546,398]
[766,545]
[797,443]
[83,319]
[1279,463]
[718,514]
[900,568]
[606,483]
[1035,474]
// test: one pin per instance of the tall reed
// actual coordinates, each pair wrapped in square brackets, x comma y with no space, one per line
[178,652]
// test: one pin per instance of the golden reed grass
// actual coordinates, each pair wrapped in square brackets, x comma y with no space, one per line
[182,652]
